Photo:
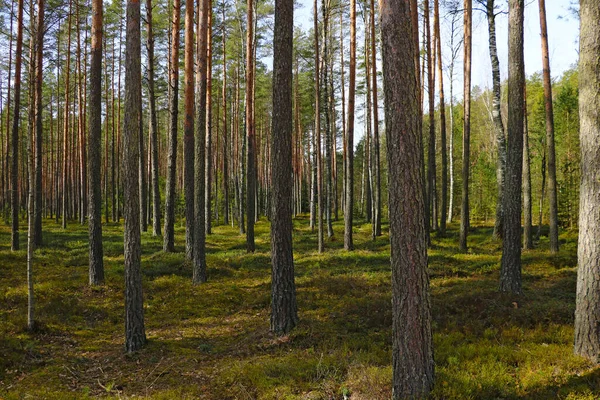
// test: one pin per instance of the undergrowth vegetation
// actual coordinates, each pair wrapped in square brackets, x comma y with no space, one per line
[212,341]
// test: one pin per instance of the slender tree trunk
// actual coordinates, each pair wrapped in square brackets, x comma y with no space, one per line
[250,130]
[188,130]
[440,71]
[143,183]
[284,310]
[169,238]
[96,267]
[328,132]
[587,318]
[497,115]
[510,274]
[348,211]
[317,133]
[552,191]
[135,335]
[208,168]
[199,266]
[156,231]
[464,214]
[451,146]
[14,172]
[542,190]
[39,53]
[527,229]
[225,134]
[344,128]
[412,353]
[431,169]
[7,165]
[376,162]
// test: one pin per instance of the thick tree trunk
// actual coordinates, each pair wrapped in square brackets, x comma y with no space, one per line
[464,211]
[169,238]
[552,191]
[349,203]
[188,130]
[284,310]
[412,354]
[135,335]
[510,274]
[587,318]
[14,172]
[199,265]
[96,267]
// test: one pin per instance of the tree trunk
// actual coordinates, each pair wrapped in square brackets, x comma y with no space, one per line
[14,172]
[552,191]
[250,130]
[431,169]
[169,238]
[437,34]
[208,168]
[317,133]
[96,267]
[39,53]
[225,134]
[412,354]
[329,199]
[153,124]
[376,162]
[199,265]
[527,229]
[587,318]
[464,211]
[135,336]
[349,203]
[188,130]
[284,310]
[497,115]
[510,274]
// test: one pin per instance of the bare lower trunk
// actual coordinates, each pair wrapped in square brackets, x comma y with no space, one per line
[135,334]
[169,238]
[412,352]
[587,318]
[510,274]
[284,310]
[464,210]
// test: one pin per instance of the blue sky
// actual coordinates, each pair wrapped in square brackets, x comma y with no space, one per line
[563,34]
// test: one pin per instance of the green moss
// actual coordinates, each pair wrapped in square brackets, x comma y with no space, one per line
[213,341]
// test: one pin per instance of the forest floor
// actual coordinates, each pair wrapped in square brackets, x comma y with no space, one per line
[212,341]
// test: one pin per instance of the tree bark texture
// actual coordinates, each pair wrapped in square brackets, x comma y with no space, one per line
[284,310]
[510,273]
[14,171]
[349,203]
[169,238]
[250,131]
[464,210]
[412,354]
[587,315]
[199,264]
[552,190]
[135,336]
[96,267]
